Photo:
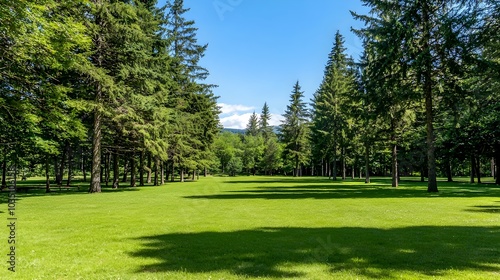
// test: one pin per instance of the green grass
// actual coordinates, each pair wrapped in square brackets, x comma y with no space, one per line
[259,227]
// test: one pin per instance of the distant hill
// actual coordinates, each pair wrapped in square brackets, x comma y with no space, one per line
[234,130]
[242,131]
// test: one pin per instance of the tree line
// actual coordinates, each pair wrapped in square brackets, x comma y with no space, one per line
[423,99]
[104,87]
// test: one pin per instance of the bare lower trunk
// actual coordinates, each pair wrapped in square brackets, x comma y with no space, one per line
[70,167]
[148,168]
[353,171]
[107,162]
[182,174]
[367,163]
[472,168]
[116,171]
[497,160]
[84,170]
[125,169]
[172,179]
[448,170]
[205,173]
[95,185]
[47,175]
[60,174]
[343,164]
[334,166]
[141,169]
[478,169]
[4,168]
[162,173]
[132,170]
[157,169]
[427,73]
[395,182]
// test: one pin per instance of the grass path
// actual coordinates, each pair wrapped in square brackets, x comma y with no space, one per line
[259,227]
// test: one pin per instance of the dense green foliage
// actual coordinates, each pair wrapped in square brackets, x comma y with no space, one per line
[422,100]
[97,85]
[114,89]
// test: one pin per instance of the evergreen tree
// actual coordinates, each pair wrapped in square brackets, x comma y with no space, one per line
[265,129]
[295,130]
[329,103]
[417,41]
[253,125]
[194,99]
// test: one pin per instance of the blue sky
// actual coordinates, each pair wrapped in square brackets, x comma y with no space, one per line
[258,49]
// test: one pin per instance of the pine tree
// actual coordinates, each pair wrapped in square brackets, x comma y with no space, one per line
[329,103]
[264,128]
[295,130]
[253,125]
[419,40]
[190,95]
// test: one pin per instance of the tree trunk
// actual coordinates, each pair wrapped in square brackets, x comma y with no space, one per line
[107,162]
[56,170]
[125,169]
[157,169]
[343,163]
[493,168]
[162,173]
[4,167]
[149,169]
[70,167]
[141,169]
[95,184]
[497,160]
[132,170]
[194,175]
[116,171]
[367,163]
[478,168]
[60,174]
[448,169]
[172,179]
[205,173]
[427,75]
[182,174]
[296,171]
[334,167]
[472,168]
[84,171]
[395,182]
[47,175]
[353,171]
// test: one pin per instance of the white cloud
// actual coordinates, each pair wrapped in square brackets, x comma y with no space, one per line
[229,108]
[276,120]
[240,121]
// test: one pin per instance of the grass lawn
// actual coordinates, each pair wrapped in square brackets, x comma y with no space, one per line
[258,227]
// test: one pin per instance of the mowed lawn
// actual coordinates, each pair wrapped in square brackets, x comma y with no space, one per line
[259,227]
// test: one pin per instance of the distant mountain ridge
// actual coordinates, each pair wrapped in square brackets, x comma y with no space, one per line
[242,131]
[234,130]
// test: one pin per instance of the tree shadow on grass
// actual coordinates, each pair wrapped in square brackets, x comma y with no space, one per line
[348,191]
[369,252]
[494,209]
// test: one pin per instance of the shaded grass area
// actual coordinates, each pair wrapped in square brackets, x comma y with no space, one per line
[368,252]
[320,188]
[260,228]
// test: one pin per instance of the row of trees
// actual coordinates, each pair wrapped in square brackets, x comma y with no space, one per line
[95,85]
[424,97]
